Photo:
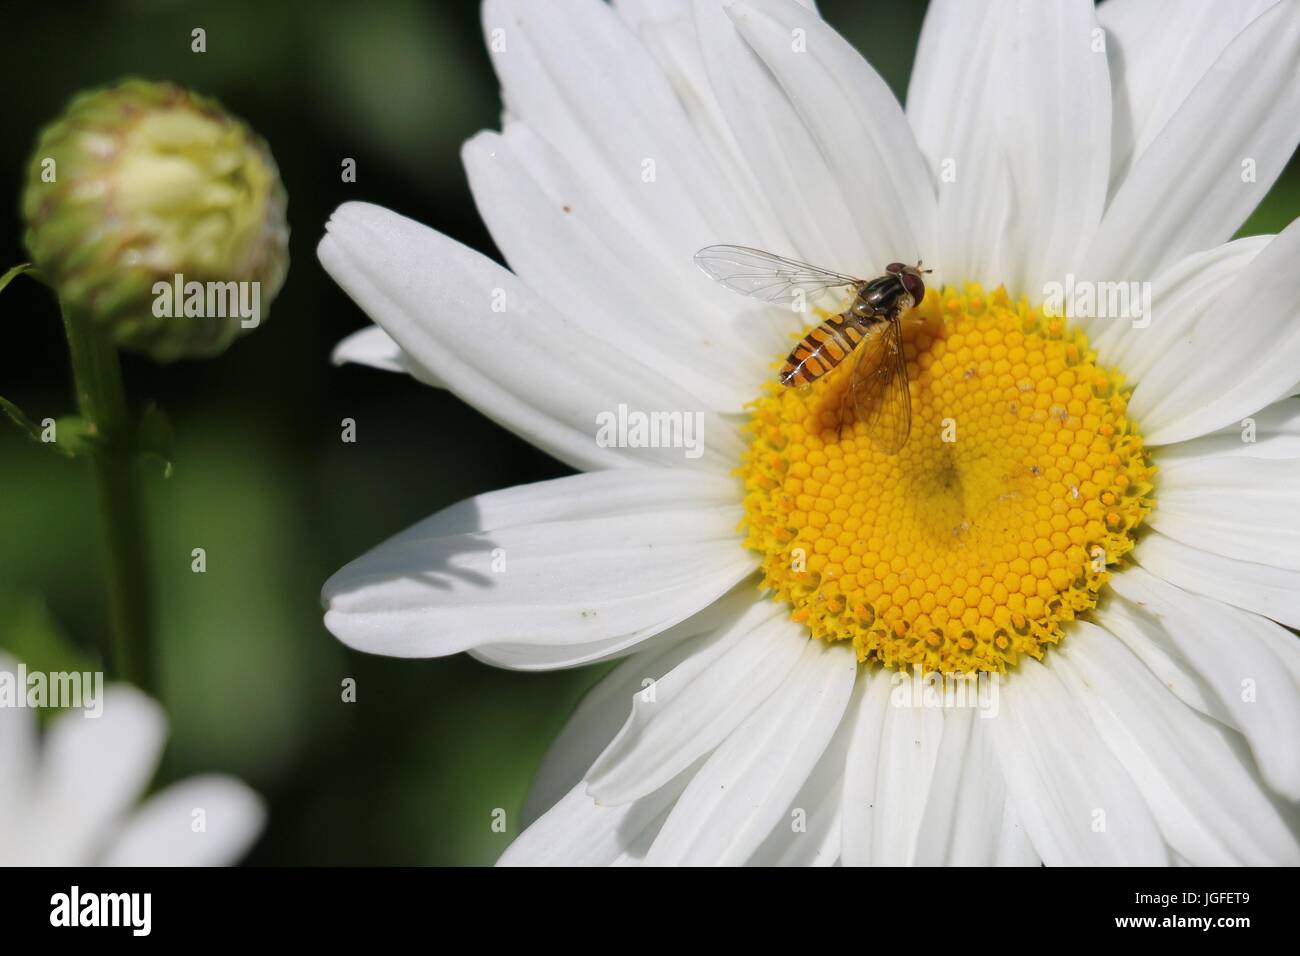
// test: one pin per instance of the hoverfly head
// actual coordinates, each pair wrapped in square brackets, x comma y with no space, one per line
[910,276]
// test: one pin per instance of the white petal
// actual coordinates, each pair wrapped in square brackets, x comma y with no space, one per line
[1244,508]
[579,832]
[669,32]
[1076,801]
[1181,296]
[854,117]
[862,768]
[163,832]
[808,834]
[525,367]
[909,751]
[605,707]
[92,770]
[568,247]
[694,707]
[1156,60]
[582,80]
[1249,665]
[639,13]
[939,90]
[786,161]
[1186,191]
[707,62]
[374,347]
[370,346]
[1051,97]
[1014,846]
[1272,432]
[602,557]
[736,798]
[1143,633]
[963,820]
[1207,800]
[1211,378]
[922,786]
[545,657]
[1262,588]
[18,761]
[950,104]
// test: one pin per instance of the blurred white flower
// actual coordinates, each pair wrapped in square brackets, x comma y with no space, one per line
[70,796]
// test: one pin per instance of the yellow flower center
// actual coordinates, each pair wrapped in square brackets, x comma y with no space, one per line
[1022,482]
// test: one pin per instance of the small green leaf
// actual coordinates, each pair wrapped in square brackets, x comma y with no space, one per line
[14,273]
[154,438]
[18,418]
[68,436]
[75,436]
[37,432]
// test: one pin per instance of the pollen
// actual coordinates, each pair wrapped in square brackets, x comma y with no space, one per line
[1021,486]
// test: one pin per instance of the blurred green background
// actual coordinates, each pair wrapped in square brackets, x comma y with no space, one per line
[411,772]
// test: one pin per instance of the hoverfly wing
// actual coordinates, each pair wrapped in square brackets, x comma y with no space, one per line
[878,388]
[768,277]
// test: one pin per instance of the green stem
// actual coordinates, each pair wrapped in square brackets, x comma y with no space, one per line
[97,372]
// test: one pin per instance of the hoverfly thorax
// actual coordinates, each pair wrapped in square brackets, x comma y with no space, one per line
[884,294]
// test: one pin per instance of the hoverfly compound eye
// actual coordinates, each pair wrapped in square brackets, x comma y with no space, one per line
[894,268]
[915,287]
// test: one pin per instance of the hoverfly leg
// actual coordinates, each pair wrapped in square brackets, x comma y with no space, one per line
[846,402]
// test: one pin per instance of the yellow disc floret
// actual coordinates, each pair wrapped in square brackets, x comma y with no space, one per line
[1022,482]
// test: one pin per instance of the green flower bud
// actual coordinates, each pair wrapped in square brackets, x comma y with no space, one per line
[144,190]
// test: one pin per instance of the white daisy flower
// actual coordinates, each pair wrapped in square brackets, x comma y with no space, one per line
[1112,526]
[68,795]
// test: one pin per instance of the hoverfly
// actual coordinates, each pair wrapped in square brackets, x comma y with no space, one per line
[870,325]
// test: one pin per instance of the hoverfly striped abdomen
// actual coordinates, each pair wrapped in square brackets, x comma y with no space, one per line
[824,348]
